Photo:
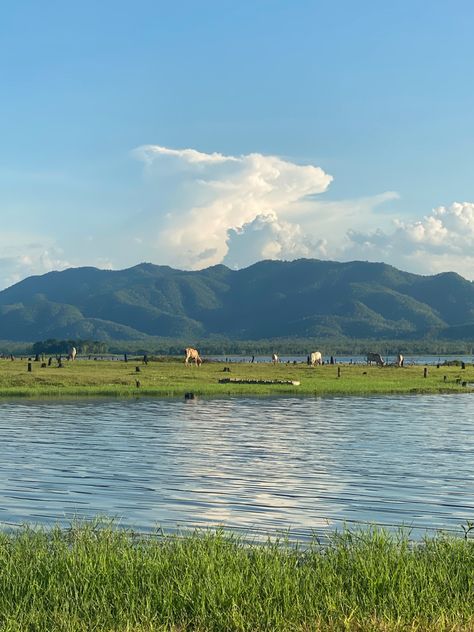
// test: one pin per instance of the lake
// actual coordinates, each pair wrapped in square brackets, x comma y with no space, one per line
[262,464]
[353,359]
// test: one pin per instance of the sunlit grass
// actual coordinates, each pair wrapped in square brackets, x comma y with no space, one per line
[102,578]
[118,378]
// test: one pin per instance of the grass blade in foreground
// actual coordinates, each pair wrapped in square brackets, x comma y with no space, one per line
[91,578]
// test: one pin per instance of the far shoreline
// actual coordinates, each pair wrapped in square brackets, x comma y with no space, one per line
[171,378]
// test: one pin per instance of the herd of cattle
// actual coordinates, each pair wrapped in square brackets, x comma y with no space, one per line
[314,358]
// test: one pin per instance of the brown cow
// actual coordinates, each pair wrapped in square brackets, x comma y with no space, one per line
[192,354]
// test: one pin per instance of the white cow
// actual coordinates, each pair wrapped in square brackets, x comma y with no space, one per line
[400,360]
[72,353]
[192,354]
[275,358]
[315,358]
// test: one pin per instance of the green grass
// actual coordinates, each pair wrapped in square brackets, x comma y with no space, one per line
[90,578]
[117,378]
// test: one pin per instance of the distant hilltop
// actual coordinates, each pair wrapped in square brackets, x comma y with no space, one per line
[270,299]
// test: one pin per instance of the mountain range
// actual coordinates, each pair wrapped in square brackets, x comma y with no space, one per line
[270,299]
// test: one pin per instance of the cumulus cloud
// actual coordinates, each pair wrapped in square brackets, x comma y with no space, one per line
[267,237]
[193,209]
[440,241]
[208,208]
[20,258]
[220,197]
[23,255]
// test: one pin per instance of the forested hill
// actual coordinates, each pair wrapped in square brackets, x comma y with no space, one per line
[304,298]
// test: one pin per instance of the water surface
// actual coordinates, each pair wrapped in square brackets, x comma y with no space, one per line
[352,359]
[251,463]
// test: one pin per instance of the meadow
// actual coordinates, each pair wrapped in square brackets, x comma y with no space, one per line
[172,378]
[102,578]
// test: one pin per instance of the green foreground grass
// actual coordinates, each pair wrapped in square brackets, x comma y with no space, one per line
[90,578]
[118,378]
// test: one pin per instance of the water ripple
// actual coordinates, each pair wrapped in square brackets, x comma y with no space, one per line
[266,463]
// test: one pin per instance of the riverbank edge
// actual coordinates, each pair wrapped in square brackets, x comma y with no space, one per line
[191,392]
[102,577]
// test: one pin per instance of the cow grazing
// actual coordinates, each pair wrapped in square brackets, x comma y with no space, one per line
[192,354]
[315,358]
[375,357]
[275,358]
[400,360]
[72,353]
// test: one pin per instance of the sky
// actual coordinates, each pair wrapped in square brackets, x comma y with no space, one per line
[196,133]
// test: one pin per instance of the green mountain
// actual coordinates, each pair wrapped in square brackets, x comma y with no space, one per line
[303,298]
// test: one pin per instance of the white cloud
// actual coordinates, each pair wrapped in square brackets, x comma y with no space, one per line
[23,255]
[217,196]
[208,208]
[267,237]
[20,258]
[440,241]
[148,153]
[194,209]
[197,209]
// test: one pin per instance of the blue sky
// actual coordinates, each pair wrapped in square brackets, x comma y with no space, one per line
[100,101]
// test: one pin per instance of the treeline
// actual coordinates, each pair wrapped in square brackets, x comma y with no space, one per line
[294,346]
[53,346]
[224,346]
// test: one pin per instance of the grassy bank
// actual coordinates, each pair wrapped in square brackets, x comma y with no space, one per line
[119,378]
[102,579]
